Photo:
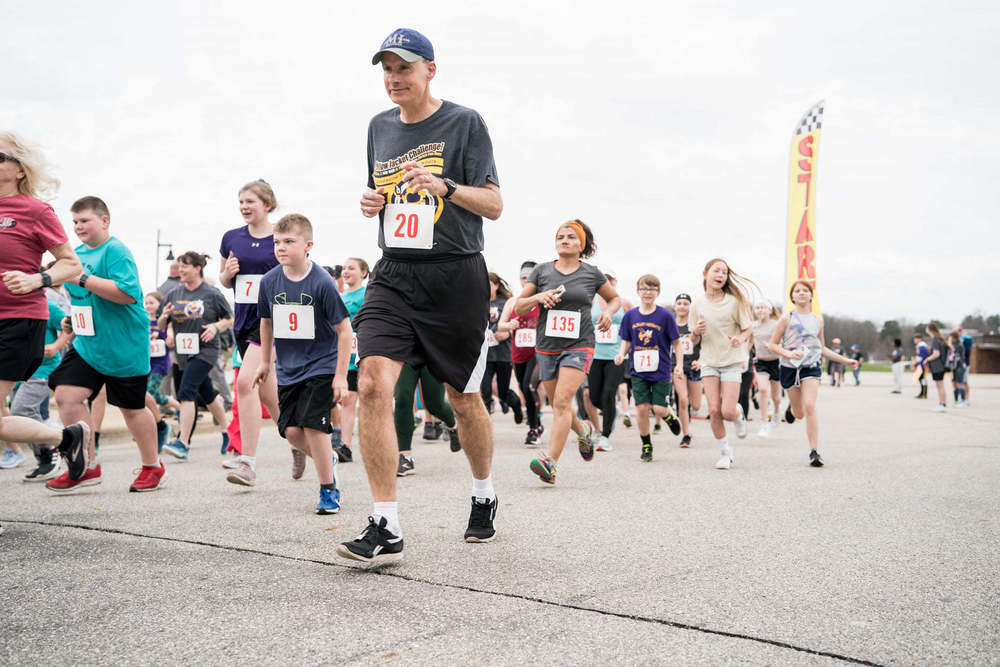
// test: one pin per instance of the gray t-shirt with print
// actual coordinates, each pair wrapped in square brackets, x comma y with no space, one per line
[204,304]
[454,143]
[581,286]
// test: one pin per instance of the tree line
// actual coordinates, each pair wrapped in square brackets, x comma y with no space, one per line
[877,343]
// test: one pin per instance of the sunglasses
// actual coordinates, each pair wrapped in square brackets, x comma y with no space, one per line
[6,158]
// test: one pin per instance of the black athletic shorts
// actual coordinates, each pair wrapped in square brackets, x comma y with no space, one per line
[352,381]
[306,404]
[247,336]
[128,392]
[22,348]
[768,366]
[429,312]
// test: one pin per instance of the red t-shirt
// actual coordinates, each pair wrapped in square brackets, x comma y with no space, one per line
[28,228]
[520,355]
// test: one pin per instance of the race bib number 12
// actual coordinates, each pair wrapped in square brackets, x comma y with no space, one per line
[408,226]
[83,320]
[187,343]
[563,324]
[247,287]
[294,321]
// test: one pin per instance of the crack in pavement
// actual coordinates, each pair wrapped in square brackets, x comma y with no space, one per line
[515,596]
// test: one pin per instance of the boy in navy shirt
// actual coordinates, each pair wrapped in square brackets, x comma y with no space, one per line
[650,331]
[304,318]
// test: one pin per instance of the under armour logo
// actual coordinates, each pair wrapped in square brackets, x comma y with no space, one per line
[254,245]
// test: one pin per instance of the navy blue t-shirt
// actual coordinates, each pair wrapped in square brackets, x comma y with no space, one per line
[256,257]
[298,359]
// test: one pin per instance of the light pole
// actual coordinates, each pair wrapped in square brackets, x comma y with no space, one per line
[170,256]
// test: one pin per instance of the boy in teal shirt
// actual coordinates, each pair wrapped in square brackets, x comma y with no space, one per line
[111,345]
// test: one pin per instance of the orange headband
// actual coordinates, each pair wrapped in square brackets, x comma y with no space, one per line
[578,228]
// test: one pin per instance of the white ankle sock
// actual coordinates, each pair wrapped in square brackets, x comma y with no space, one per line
[723,444]
[153,465]
[250,460]
[482,489]
[390,512]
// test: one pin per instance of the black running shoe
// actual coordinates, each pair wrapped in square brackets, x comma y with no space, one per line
[76,438]
[504,407]
[647,453]
[518,415]
[686,441]
[789,417]
[657,428]
[343,454]
[481,521]
[814,459]
[430,431]
[453,439]
[43,472]
[405,466]
[673,423]
[531,438]
[438,430]
[376,545]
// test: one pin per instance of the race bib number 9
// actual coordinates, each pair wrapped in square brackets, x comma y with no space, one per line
[563,324]
[524,338]
[646,361]
[609,336]
[157,348]
[187,343]
[83,320]
[687,347]
[293,321]
[247,286]
[408,226]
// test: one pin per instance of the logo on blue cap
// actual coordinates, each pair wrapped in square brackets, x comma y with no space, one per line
[408,44]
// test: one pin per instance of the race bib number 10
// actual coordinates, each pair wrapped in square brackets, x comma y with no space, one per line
[646,361]
[187,343]
[247,287]
[83,320]
[563,324]
[408,226]
[294,321]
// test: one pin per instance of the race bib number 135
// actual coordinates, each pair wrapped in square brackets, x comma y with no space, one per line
[563,324]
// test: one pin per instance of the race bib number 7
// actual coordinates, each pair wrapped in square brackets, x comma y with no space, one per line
[83,320]
[247,287]
[563,324]
[408,226]
[294,321]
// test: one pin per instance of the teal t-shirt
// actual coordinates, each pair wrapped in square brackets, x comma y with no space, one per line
[606,351]
[52,329]
[120,344]
[353,301]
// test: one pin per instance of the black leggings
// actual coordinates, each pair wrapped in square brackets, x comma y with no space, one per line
[523,373]
[746,386]
[434,402]
[603,380]
[502,371]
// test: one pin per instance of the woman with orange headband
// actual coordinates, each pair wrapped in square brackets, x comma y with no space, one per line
[564,290]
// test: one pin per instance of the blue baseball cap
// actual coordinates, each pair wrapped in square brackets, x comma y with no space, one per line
[408,44]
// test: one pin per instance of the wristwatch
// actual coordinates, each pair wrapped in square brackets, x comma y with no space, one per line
[46,279]
[82,282]
[451,185]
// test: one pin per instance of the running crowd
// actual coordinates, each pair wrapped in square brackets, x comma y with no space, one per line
[319,349]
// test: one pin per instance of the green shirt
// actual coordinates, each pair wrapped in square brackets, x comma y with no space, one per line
[120,344]
[52,330]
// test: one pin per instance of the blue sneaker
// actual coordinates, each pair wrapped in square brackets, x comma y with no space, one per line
[329,501]
[11,459]
[177,449]
[162,434]
[225,442]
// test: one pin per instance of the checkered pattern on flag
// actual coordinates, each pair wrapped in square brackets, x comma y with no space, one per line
[813,120]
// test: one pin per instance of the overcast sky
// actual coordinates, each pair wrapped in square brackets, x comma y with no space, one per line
[665,126]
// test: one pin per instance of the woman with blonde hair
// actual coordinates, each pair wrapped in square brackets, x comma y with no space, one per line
[723,321]
[28,229]
[766,365]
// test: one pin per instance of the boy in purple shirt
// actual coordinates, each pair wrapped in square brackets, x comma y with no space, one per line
[649,331]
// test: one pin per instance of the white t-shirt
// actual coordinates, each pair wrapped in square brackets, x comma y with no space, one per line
[724,318]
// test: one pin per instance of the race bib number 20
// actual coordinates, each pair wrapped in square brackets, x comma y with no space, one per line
[408,226]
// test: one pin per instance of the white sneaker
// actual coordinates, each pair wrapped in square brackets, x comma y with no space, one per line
[724,462]
[603,445]
[232,463]
[939,408]
[776,419]
[765,430]
[741,424]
